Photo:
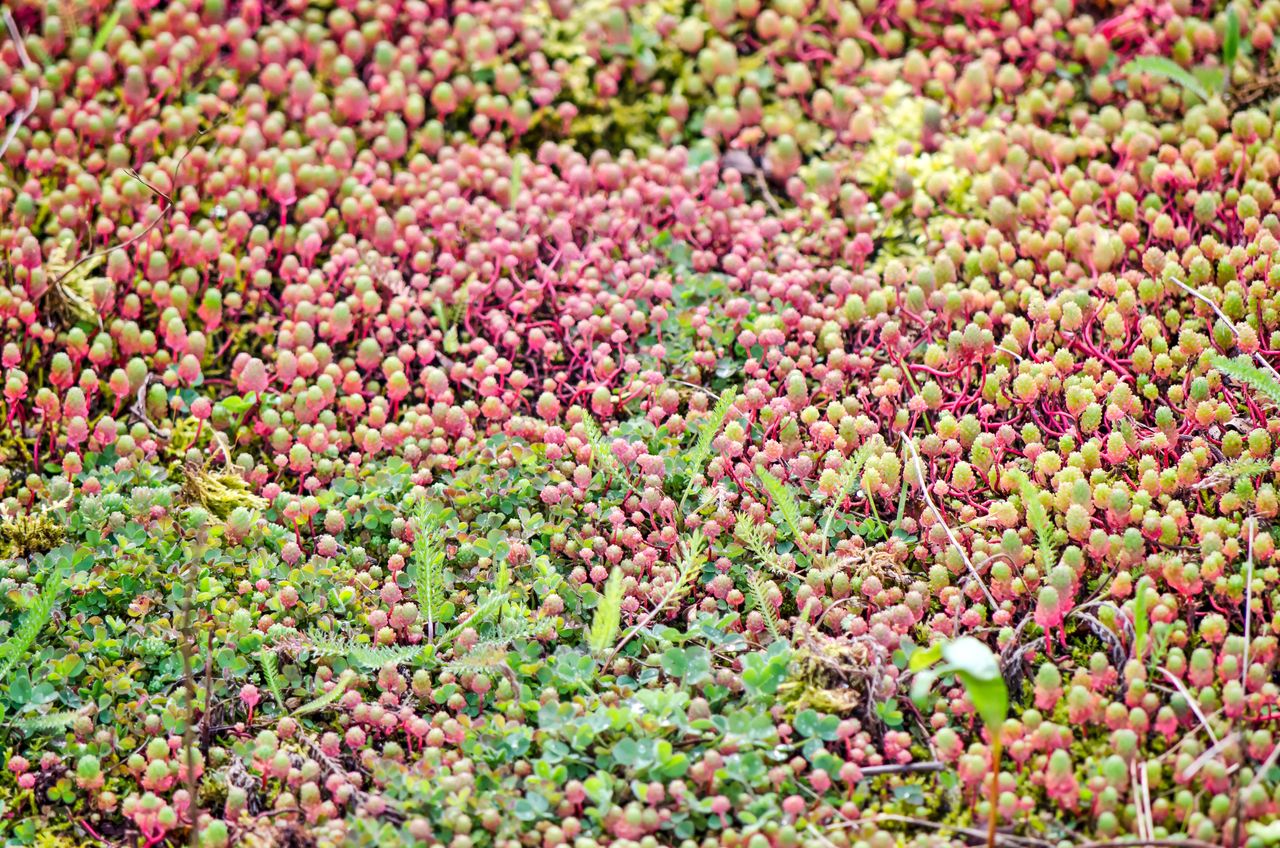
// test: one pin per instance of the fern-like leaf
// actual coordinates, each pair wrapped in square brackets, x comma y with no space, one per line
[706,436]
[483,662]
[1039,521]
[602,456]
[17,645]
[364,656]
[608,615]
[428,565]
[849,480]
[503,581]
[760,594]
[753,536]
[267,659]
[1242,370]
[517,182]
[511,630]
[1238,469]
[316,705]
[485,610]
[48,723]
[489,655]
[785,500]
[689,566]
[693,558]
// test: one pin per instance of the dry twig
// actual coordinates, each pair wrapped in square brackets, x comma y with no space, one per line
[25,112]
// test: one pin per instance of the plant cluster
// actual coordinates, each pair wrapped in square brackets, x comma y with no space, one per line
[744,423]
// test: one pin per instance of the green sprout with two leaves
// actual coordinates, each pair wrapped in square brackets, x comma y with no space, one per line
[978,671]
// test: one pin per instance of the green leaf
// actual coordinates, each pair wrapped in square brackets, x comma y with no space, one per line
[979,671]
[921,683]
[806,723]
[674,662]
[1039,521]
[316,705]
[785,500]
[922,658]
[759,593]
[517,181]
[428,562]
[485,610]
[17,645]
[702,448]
[1231,42]
[1161,66]
[48,723]
[238,404]
[104,32]
[608,615]
[363,656]
[850,480]
[976,667]
[1141,621]
[267,660]
[701,151]
[763,672]
[1242,370]
[602,455]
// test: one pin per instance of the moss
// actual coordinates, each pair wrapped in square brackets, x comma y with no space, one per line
[26,535]
[828,674]
[220,492]
[70,291]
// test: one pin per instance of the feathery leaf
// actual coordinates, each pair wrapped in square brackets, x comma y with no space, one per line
[1162,66]
[608,615]
[517,182]
[850,480]
[428,566]
[267,659]
[753,536]
[316,705]
[485,661]
[1245,468]
[689,565]
[1038,519]
[17,645]
[364,656]
[490,606]
[602,455]
[46,723]
[759,593]
[785,500]
[510,630]
[693,559]
[1242,370]
[706,436]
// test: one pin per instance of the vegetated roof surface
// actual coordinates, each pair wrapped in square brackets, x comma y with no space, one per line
[743,423]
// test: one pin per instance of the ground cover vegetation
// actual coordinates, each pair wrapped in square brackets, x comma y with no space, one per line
[743,423]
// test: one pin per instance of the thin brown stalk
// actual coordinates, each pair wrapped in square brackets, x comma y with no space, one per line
[692,554]
[1150,843]
[163,214]
[1226,320]
[1191,701]
[924,490]
[25,112]
[972,833]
